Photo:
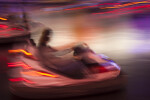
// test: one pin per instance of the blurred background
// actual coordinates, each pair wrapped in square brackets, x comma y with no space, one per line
[118,28]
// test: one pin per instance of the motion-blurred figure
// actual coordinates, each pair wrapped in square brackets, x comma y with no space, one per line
[57,57]
[83,55]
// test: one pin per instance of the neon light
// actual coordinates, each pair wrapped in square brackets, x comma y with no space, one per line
[126,9]
[46,74]
[19,29]
[140,11]
[76,8]
[4,34]
[102,69]
[1,18]
[31,73]
[124,5]
[39,73]
[3,26]
[108,4]
[5,30]
[27,54]
[20,79]
[116,5]
[15,79]
[20,50]
[90,6]
[18,64]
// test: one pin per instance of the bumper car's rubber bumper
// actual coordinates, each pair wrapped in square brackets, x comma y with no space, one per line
[70,90]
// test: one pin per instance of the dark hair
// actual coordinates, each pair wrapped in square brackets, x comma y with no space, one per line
[47,32]
[45,36]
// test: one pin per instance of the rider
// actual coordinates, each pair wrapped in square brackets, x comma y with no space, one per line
[73,66]
[57,59]
[81,50]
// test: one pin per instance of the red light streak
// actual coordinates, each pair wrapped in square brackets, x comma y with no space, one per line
[15,79]
[124,5]
[139,11]
[20,79]
[124,9]
[116,5]
[31,73]
[102,69]
[77,8]
[3,26]
[19,64]
[28,81]
[19,29]
[6,30]
[4,34]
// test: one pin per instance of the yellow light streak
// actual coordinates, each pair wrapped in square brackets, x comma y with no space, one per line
[124,5]
[1,18]
[19,50]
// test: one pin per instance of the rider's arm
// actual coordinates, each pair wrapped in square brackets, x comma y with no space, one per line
[62,52]
[67,46]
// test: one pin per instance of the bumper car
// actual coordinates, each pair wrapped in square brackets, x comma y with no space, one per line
[33,76]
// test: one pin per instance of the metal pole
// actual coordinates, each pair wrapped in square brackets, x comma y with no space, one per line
[25,19]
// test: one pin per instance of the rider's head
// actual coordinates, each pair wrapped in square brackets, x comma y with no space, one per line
[46,35]
[47,32]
